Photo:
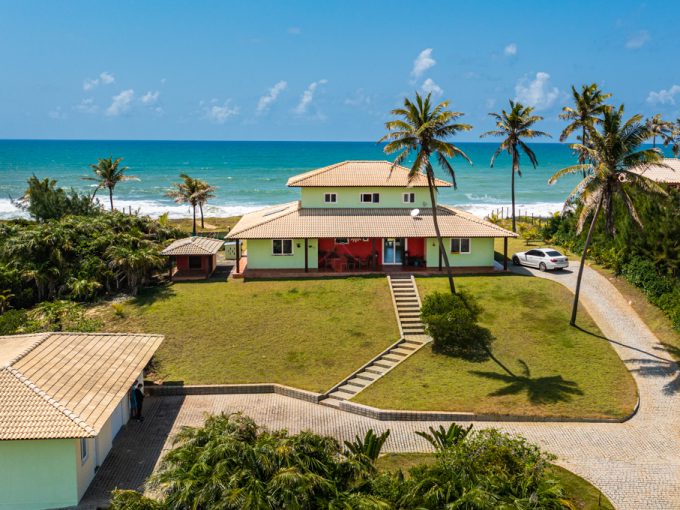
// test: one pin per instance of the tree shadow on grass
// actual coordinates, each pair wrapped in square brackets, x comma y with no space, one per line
[642,351]
[150,295]
[539,390]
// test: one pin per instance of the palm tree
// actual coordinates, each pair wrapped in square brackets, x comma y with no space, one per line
[423,128]
[108,173]
[675,138]
[205,192]
[190,191]
[588,107]
[613,153]
[515,126]
[659,127]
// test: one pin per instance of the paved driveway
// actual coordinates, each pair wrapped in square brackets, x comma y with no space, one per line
[636,464]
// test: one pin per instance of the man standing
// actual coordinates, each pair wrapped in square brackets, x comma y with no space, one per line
[139,397]
[133,402]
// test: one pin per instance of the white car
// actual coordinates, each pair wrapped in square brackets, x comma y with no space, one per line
[542,258]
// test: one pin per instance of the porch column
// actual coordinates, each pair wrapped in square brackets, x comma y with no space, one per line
[440,254]
[306,255]
[238,255]
[374,259]
[505,254]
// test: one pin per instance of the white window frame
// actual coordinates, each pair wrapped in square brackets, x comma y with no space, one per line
[84,450]
[460,245]
[409,198]
[282,254]
[330,198]
[374,198]
[345,238]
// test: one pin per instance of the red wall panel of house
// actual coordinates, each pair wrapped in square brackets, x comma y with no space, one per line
[416,247]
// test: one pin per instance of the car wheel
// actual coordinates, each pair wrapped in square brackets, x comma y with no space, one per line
[542,267]
[515,261]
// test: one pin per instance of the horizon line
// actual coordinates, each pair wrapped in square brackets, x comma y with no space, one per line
[233,141]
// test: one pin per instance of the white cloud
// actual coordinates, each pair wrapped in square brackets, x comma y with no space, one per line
[87,106]
[104,78]
[664,96]
[430,87]
[150,98]
[57,113]
[265,101]
[308,96]
[510,50]
[121,103]
[294,30]
[422,63]
[537,92]
[638,40]
[359,99]
[219,113]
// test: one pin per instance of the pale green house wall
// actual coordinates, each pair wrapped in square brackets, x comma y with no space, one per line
[260,255]
[38,474]
[351,197]
[481,253]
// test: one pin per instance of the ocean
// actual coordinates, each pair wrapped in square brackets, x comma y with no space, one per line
[251,175]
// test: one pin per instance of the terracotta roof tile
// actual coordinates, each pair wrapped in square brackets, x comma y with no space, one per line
[669,173]
[194,246]
[362,173]
[292,221]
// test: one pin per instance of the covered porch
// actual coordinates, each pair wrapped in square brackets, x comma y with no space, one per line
[345,254]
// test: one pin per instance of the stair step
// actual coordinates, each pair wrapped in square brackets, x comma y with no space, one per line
[349,389]
[368,376]
[338,395]
[401,351]
[331,402]
[413,345]
[358,382]
[384,363]
[376,369]
[410,320]
[391,356]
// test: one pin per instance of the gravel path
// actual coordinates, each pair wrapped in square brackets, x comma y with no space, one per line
[636,464]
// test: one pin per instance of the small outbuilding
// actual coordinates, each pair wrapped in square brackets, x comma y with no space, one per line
[63,399]
[668,172]
[193,257]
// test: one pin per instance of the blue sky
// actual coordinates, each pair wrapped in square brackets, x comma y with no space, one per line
[317,70]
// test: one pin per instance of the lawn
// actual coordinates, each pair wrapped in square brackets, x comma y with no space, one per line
[582,493]
[558,371]
[307,333]
[211,224]
[652,315]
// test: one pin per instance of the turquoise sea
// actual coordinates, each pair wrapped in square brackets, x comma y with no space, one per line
[250,175]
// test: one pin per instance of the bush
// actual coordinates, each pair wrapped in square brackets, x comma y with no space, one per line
[14,321]
[451,321]
[61,316]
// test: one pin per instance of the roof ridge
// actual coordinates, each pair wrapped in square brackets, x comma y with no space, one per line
[71,415]
[297,202]
[316,171]
[27,350]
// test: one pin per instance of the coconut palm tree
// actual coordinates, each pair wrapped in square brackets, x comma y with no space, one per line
[515,126]
[190,191]
[614,151]
[675,138]
[108,173]
[659,127]
[205,193]
[423,128]
[588,107]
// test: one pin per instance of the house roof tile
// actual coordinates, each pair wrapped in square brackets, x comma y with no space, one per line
[194,246]
[668,173]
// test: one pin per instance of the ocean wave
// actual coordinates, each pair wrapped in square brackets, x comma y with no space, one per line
[542,209]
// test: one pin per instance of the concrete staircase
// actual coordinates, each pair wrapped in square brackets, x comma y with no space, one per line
[407,308]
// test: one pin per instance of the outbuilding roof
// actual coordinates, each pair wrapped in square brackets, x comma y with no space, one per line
[361,174]
[291,221]
[66,385]
[194,246]
[668,172]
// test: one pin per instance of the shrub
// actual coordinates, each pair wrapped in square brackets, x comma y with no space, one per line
[62,316]
[118,309]
[14,321]
[451,321]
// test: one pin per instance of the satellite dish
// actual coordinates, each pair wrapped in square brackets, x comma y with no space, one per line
[415,212]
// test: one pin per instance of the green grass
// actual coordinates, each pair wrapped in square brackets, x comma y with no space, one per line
[307,333]
[582,493]
[211,224]
[559,371]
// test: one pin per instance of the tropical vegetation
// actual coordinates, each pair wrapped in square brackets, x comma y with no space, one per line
[515,127]
[421,130]
[230,463]
[108,174]
[613,153]
[44,200]
[193,192]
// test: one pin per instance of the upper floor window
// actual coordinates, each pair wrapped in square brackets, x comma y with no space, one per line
[330,198]
[282,246]
[460,245]
[370,198]
[409,198]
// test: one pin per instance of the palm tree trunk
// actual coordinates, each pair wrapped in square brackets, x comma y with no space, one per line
[654,142]
[440,241]
[515,166]
[193,232]
[200,205]
[583,141]
[577,291]
[111,197]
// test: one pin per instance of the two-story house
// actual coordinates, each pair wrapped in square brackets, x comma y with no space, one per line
[362,216]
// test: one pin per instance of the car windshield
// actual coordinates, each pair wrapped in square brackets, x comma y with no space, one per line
[553,253]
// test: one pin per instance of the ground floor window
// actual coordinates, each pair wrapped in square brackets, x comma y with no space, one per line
[195,262]
[460,245]
[341,240]
[282,246]
[83,449]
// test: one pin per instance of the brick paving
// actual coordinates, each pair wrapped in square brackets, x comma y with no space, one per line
[636,463]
